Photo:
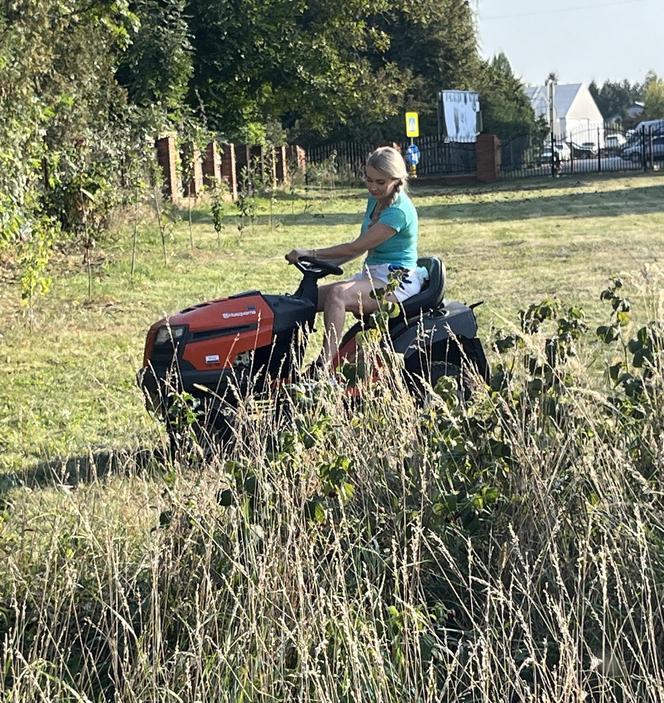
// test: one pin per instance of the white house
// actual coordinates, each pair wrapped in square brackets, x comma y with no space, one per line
[576,115]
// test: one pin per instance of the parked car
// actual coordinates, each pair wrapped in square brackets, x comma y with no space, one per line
[634,149]
[655,127]
[563,151]
[587,150]
[590,147]
[613,143]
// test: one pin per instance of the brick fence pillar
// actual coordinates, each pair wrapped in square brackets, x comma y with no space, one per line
[297,157]
[487,155]
[167,160]
[281,165]
[211,165]
[194,187]
[229,168]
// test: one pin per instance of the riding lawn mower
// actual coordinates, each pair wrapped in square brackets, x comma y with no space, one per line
[216,353]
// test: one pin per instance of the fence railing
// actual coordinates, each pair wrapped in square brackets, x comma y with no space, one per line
[347,160]
[443,158]
[596,149]
[344,160]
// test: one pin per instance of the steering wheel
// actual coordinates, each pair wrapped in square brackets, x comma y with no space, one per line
[307,264]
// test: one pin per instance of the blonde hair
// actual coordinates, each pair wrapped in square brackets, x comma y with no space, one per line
[390,163]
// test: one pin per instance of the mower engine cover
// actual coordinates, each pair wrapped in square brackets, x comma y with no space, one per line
[444,336]
[249,336]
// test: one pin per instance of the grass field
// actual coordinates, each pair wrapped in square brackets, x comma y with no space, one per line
[504,551]
[68,386]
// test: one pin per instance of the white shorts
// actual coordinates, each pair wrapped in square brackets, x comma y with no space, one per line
[379,275]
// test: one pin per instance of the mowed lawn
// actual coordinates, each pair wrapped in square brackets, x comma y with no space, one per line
[67,386]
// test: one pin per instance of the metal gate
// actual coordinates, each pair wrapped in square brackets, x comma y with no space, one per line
[601,149]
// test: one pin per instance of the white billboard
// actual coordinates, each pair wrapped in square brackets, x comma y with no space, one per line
[459,116]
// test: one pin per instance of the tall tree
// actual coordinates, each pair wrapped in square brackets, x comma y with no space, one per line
[654,96]
[157,65]
[426,46]
[506,109]
[614,98]
[300,61]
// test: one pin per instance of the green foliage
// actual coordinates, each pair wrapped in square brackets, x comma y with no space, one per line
[71,149]
[34,253]
[218,191]
[506,110]
[654,96]
[637,373]
[246,203]
[614,98]
[157,65]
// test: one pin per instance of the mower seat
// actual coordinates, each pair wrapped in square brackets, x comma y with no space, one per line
[432,291]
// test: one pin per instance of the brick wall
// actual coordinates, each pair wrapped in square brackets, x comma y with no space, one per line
[225,162]
[487,154]
[167,160]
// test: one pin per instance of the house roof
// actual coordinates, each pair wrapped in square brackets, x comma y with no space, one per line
[564,96]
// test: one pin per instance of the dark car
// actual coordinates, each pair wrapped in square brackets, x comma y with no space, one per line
[613,143]
[634,150]
[586,150]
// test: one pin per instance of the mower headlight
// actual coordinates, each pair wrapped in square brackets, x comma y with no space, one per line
[167,334]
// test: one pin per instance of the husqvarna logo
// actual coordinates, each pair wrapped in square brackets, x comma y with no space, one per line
[240,313]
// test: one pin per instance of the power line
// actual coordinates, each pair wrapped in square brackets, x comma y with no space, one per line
[550,11]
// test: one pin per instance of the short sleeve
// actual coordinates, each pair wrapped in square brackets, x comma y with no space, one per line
[394,218]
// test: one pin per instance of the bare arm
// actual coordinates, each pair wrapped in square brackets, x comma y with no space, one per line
[341,253]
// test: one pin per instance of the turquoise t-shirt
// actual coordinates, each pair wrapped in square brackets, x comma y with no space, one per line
[401,248]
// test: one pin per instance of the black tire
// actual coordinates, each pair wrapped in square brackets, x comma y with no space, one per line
[421,382]
[213,426]
[464,365]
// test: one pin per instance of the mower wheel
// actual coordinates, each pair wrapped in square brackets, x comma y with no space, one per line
[421,383]
[212,426]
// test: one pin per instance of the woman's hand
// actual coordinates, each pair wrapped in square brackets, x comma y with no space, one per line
[293,256]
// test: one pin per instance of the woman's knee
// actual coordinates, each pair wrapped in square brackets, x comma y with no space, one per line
[335,295]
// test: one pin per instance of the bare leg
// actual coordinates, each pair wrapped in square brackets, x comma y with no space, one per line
[322,294]
[340,298]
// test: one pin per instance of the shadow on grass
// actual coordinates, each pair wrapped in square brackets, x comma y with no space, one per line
[312,216]
[525,184]
[571,205]
[86,469]
[534,203]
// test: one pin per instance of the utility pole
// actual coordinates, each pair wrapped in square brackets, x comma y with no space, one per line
[550,85]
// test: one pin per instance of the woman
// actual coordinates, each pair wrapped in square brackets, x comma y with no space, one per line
[388,236]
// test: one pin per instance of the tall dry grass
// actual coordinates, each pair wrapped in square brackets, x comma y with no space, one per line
[496,550]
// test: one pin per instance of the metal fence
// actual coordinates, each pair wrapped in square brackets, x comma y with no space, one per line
[600,149]
[593,150]
[346,160]
[444,158]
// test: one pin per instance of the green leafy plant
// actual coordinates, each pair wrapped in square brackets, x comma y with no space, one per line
[218,191]
[637,373]
[34,255]
[246,202]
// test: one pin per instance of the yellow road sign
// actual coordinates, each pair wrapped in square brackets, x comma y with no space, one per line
[412,125]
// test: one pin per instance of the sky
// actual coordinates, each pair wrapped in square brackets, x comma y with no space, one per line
[579,40]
